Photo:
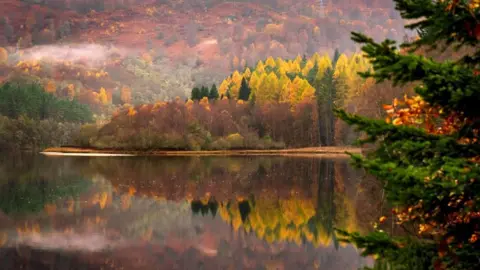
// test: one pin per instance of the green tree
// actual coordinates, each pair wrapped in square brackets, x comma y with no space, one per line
[336,56]
[31,100]
[430,178]
[213,92]
[195,95]
[244,92]
[204,92]
[326,94]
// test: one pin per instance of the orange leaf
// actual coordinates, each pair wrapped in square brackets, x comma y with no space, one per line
[387,107]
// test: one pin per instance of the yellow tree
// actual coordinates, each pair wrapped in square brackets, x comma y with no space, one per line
[341,65]
[284,84]
[102,96]
[323,64]
[247,73]
[260,68]
[236,83]
[308,66]
[270,62]
[254,81]
[222,89]
[294,67]
[279,62]
[268,89]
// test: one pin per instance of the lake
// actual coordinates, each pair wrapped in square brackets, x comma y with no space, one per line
[182,212]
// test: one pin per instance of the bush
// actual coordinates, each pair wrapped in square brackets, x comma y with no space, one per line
[160,35]
[85,136]
[236,141]
[220,144]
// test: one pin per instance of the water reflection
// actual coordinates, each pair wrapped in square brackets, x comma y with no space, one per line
[180,213]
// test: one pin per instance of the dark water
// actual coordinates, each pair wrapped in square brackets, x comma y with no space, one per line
[181,212]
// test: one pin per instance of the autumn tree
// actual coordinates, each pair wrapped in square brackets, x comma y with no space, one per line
[427,156]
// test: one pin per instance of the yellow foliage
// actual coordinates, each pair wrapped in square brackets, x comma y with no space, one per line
[131,111]
[268,89]
[222,89]
[189,103]
[270,62]
[260,68]
[102,96]
[247,73]
[3,56]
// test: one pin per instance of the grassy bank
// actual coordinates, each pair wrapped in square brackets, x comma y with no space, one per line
[296,151]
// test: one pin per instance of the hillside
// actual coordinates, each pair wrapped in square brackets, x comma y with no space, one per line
[161,49]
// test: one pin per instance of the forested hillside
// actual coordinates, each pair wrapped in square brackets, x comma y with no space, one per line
[277,103]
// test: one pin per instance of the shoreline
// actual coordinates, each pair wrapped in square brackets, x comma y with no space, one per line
[330,150]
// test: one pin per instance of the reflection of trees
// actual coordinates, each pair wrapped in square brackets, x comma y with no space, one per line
[26,190]
[294,219]
[18,197]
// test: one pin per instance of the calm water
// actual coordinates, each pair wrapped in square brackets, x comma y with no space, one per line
[181,212]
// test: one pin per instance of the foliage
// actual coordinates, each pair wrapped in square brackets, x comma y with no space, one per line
[427,151]
[26,133]
[32,101]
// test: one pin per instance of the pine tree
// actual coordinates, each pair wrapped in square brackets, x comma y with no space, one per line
[213,92]
[326,93]
[195,95]
[312,74]
[336,56]
[244,93]
[204,92]
[430,172]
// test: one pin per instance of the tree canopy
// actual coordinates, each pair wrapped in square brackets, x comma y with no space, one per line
[427,150]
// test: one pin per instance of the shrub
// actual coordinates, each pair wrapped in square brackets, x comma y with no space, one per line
[236,141]
[220,144]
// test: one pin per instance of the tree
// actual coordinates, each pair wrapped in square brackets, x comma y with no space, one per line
[326,96]
[204,92]
[244,92]
[336,56]
[213,92]
[195,95]
[102,96]
[428,154]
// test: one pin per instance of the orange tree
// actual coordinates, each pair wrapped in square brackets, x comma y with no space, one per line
[427,149]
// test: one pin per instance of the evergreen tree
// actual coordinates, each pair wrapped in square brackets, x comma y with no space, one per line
[430,172]
[326,93]
[204,92]
[244,92]
[195,94]
[312,75]
[32,101]
[336,56]
[213,92]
